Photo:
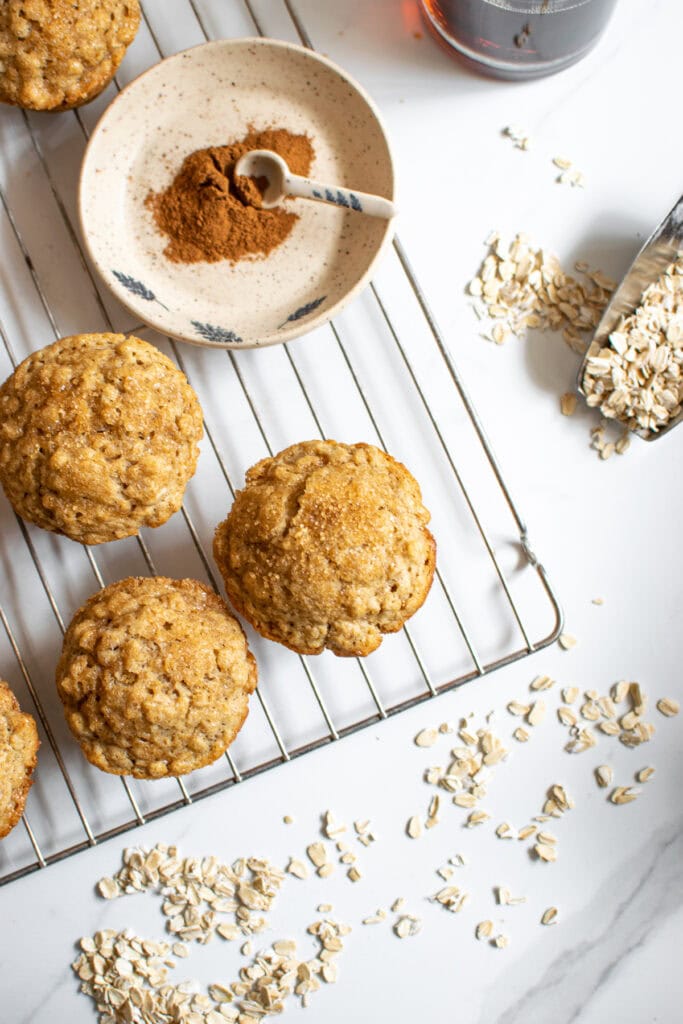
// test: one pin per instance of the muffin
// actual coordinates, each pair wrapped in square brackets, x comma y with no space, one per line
[155,677]
[18,749]
[57,54]
[327,546]
[98,437]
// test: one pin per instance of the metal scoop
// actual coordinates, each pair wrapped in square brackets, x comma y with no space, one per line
[264,164]
[660,250]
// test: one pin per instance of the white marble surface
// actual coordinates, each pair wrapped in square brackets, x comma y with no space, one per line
[603,529]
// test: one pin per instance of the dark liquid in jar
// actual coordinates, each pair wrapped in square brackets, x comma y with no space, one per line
[520,37]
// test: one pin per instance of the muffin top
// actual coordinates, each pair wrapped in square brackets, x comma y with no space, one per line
[98,437]
[155,676]
[18,748]
[56,54]
[327,546]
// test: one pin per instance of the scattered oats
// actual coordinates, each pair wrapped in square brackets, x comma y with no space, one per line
[515,708]
[638,699]
[545,851]
[325,870]
[569,694]
[566,716]
[541,683]
[465,800]
[621,445]
[521,735]
[568,404]
[623,795]
[562,163]
[537,713]
[522,288]
[505,898]
[604,775]
[452,898]
[196,890]
[398,905]
[504,831]
[566,641]
[297,868]
[427,737]
[407,926]
[600,600]
[629,721]
[354,874]
[414,827]
[549,916]
[620,692]
[446,728]
[476,818]
[376,918]
[246,949]
[108,888]
[332,828]
[607,707]
[527,831]
[547,837]
[445,873]
[561,797]
[610,728]
[323,908]
[518,136]
[317,854]
[180,949]
[432,813]
[288,819]
[668,706]
[501,942]
[484,930]
[458,860]
[590,711]
[584,740]
[645,774]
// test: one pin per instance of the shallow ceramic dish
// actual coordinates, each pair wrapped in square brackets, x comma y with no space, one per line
[209,96]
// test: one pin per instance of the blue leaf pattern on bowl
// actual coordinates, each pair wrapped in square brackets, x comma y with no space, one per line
[303,311]
[217,335]
[136,287]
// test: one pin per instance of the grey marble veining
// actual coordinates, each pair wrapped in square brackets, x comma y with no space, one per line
[641,894]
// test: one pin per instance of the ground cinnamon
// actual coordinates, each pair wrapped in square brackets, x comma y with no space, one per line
[208,218]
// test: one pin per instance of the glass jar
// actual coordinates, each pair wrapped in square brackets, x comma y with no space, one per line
[518,38]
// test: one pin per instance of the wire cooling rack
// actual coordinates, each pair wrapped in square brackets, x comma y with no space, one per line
[382,372]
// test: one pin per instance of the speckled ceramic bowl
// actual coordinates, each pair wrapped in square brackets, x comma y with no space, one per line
[209,96]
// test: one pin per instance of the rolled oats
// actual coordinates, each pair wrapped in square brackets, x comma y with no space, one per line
[636,377]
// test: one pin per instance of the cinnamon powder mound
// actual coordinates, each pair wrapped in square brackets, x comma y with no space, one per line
[207,217]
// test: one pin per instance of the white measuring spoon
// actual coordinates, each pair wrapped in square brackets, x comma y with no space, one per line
[263,163]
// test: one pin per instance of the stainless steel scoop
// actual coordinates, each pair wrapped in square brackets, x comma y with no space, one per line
[661,249]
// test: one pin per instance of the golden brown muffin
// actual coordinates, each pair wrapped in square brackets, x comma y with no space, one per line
[18,749]
[98,437]
[58,54]
[155,676]
[327,546]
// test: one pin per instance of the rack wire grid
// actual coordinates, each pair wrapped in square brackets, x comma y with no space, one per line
[362,377]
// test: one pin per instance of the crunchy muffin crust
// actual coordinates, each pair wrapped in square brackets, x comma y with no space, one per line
[155,676]
[327,546]
[58,54]
[18,749]
[98,437]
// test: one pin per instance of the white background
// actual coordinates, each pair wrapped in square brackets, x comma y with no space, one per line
[603,529]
